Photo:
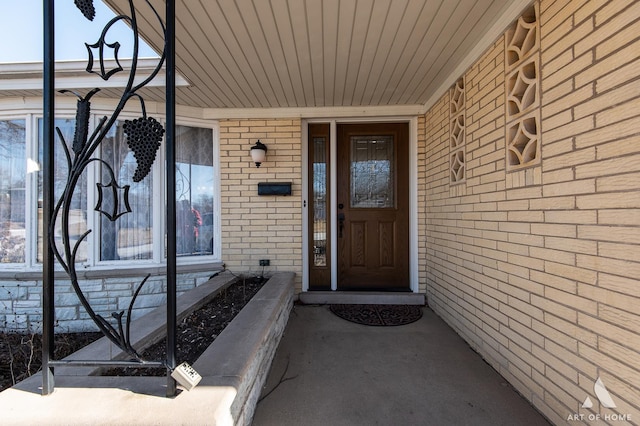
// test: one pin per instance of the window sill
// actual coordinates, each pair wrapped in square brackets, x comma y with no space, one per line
[114,271]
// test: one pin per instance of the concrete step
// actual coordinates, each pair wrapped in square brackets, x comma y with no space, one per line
[361,298]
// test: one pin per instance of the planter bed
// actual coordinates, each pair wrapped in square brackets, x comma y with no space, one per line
[233,371]
[198,329]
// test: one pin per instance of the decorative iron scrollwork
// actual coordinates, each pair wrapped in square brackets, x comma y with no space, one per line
[87,9]
[113,190]
[100,46]
[143,138]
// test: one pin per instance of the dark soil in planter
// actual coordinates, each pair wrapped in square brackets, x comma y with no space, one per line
[20,354]
[198,330]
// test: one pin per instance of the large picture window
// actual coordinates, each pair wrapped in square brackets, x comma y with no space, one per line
[137,237]
[13,185]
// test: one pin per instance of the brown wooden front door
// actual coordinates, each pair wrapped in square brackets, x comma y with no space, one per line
[373,206]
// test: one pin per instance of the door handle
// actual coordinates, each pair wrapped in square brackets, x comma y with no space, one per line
[340,224]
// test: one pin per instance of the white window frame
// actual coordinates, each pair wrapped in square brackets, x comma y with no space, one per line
[217,230]
[93,261]
[28,212]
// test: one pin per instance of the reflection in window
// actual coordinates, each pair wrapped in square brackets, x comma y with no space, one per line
[372,183]
[194,191]
[129,237]
[319,201]
[13,173]
[77,212]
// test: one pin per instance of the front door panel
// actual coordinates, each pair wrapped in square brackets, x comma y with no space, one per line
[373,206]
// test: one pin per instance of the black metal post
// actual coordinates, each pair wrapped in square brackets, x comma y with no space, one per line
[170,152]
[48,281]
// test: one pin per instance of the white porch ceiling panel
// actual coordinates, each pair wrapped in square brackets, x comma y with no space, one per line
[322,53]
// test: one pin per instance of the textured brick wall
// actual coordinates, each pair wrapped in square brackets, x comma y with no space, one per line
[261,227]
[539,268]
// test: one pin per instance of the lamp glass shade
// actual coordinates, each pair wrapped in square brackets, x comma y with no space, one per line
[258,153]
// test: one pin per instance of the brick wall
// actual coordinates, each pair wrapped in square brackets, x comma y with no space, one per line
[261,227]
[539,268]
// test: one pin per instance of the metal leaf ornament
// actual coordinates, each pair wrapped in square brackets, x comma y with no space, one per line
[100,46]
[87,9]
[108,194]
[143,137]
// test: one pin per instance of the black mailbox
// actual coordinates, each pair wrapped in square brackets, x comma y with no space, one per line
[274,188]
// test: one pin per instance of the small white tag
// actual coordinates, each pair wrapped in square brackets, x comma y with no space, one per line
[186,376]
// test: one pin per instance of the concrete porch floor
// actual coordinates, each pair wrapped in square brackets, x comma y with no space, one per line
[335,372]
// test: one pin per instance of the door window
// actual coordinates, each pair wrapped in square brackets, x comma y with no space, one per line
[372,172]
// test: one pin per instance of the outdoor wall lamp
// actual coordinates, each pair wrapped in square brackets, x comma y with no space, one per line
[258,153]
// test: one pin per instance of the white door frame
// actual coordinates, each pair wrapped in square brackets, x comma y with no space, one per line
[333,240]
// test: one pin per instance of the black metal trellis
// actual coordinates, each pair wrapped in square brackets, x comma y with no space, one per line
[143,137]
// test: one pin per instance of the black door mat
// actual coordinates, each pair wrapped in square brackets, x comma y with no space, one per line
[378,315]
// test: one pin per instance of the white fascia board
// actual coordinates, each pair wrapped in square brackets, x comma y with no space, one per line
[73,75]
[314,112]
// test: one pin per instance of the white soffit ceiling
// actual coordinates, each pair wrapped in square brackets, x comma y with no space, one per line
[324,53]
